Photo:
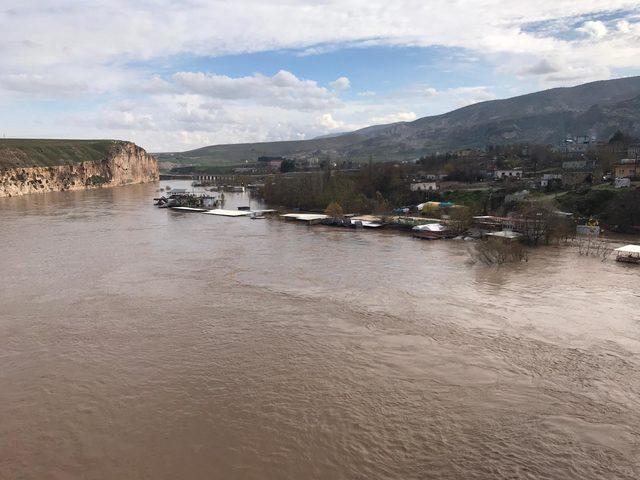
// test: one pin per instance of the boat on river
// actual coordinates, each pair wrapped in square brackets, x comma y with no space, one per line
[628,254]
[180,198]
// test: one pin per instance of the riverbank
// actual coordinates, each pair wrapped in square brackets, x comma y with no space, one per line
[511,239]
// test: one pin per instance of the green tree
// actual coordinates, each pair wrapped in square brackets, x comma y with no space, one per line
[287,165]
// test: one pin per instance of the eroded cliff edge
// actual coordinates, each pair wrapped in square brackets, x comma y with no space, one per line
[36,166]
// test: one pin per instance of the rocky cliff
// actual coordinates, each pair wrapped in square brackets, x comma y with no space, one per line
[34,166]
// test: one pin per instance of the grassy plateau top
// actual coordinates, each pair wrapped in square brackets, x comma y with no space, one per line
[17,153]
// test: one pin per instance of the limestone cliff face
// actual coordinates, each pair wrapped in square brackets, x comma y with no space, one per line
[125,164]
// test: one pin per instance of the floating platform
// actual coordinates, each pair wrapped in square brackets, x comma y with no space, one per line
[309,218]
[264,212]
[189,209]
[228,213]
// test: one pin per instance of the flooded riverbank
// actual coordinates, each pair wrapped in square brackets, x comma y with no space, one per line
[145,343]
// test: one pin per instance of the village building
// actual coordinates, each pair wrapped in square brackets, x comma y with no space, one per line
[622,182]
[549,179]
[579,144]
[515,174]
[627,168]
[423,186]
[575,172]
[275,164]
[434,176]
[634,151]
[581,165]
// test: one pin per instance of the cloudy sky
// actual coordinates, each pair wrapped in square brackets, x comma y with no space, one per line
[176,75]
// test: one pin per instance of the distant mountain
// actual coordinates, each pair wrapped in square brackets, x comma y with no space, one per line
[546,117]
[330,135]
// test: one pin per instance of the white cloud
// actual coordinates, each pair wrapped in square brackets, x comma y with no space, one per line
[43,85]
[327,121]
[430,92]
[341,83]
[395,117]
[623,26]
[594,29]
[100,51]
[283,89]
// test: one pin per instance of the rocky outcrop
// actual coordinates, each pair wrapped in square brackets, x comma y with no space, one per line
[125,164]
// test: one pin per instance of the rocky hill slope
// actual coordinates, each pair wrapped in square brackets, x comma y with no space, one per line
[33,166]
[546,117]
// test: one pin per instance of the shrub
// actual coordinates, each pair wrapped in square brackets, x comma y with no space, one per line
[334,210]
[96,180]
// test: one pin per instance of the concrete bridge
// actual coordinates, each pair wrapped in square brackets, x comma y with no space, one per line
[214,179]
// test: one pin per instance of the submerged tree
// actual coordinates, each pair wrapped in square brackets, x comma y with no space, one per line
[496,251]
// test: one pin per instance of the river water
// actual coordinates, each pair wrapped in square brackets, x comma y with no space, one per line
[142,343]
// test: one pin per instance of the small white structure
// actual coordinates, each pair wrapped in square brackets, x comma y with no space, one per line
[505,234]
[588,230]
[429,227]
[622,182]
[366,224]
[310,218]
[188,209]
[423,186]
[430,231]
[435,176]
[628,254]
[507,174]
[228,213]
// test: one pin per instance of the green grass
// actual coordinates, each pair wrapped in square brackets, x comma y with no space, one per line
[466,197]
[15,153]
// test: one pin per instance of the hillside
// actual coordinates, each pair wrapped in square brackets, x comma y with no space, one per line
[546,117]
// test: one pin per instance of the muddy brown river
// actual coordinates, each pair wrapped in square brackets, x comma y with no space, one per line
[140,343]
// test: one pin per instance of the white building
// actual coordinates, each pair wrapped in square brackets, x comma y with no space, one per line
[579,144]
[423,186]
[549,178]
[507,174]
[622,182]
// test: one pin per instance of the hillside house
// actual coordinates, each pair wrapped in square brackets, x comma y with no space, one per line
[423,186]
[627,168]
[434,176]
[515,174]
[582,165]
[549,179]
[634,151]
[579,144]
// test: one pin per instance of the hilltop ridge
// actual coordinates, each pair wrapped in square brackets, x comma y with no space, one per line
[546,117]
